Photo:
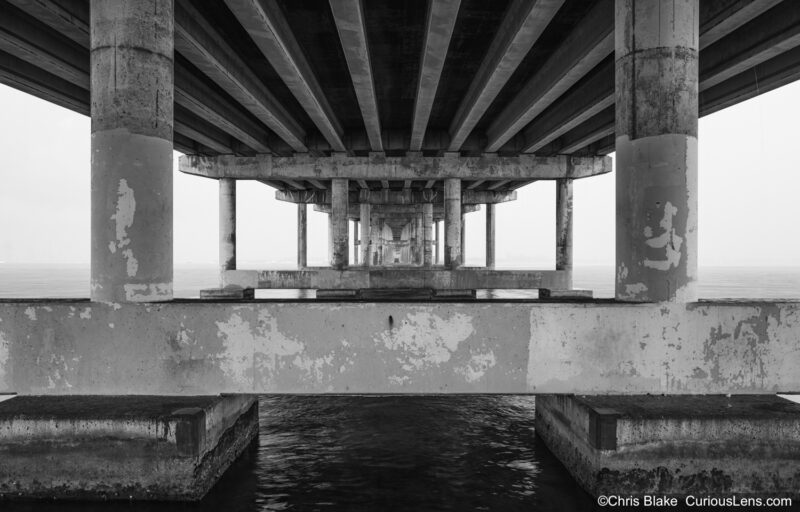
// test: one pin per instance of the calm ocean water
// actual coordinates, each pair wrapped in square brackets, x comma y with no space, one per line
[371,453]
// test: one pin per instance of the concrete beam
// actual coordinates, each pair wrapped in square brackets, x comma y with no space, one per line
[24,76]
[271,33]
[588,44]
[56,16]
[464,278]
[592,347]
[757,41]
[267,167]
[739,13]
[198,41]
[441,20]
[394,197]
[349,18]
[523,24]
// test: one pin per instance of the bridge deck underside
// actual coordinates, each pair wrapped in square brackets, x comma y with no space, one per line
[458,84]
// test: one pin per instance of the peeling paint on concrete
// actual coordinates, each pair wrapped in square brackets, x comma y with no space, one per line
[425,339]
[31,313]
[205,347]
[668,240]
[147,292]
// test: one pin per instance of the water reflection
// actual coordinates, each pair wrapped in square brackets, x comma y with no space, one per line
[372,453]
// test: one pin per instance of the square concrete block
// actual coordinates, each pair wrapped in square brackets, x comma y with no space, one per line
[121,447]
[677,445]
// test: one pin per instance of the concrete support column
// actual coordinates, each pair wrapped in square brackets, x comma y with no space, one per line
[356,242]
[339,224]
[227,225]
[131,109]
[302,235]
[490,235]
[436,245]
[366,235]
[463,257]
[427,223]
[656,130]
[452,222]
[564,227]
[420,239]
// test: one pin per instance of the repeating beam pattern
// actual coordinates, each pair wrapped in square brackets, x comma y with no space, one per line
[522,26]
[270,31]
[442,16]
[349,17]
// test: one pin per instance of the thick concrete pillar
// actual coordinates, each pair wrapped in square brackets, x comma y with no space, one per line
[339,224]
[436,246]
[227,225]
[302,235]
[356,242]
[656,130]
[366,234]
[564,226]
[330,238]
[131,108]
[452,222]
[420,239]
[490,235]
[427,222]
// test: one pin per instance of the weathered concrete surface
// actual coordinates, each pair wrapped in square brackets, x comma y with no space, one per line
[227,224]
[267,167]
[656,144]
[564,226]
[132,111]
[121,447]
[490,235]
[365,240]
[452,223]
[197,347]
[302,235]
[395,197]
[398,276]
[675,445]
[340,253]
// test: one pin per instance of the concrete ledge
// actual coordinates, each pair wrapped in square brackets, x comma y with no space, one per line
[229,292]
[748,445]
[548,293]
[464,278]
[121,447]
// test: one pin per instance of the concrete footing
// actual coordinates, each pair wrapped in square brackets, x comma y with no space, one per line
[698,445]
[121,447]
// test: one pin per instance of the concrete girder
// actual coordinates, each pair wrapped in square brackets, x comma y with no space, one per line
[757,41]
[55,16]
[198,41]
[586,46]
[523,24]
[396,211]
[439,27]
[739,13]
[349,18]
[267,167]
[34,80]
[392,197]
[59,56]
[271,33]
[773,33]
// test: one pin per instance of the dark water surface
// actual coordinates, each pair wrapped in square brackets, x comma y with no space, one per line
[384,453]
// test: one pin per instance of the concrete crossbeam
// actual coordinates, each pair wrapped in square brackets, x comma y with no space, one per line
[271,33]
[441,20]
[393,197]
[524,22]
[593,347]
[465,278]
[349,18]
[305,167]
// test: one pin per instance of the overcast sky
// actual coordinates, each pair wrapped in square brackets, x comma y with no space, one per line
[749,206]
